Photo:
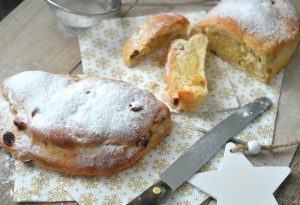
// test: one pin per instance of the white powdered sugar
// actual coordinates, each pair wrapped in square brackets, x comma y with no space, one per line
[90,110]
[106,155]
[6,176]
[5,115]
[287,9]
[267,19]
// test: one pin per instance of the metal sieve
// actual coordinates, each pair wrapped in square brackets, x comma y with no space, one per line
[83,13]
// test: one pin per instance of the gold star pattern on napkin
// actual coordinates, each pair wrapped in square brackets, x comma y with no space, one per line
[101,56]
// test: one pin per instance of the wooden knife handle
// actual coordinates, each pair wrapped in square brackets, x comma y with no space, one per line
[154,195]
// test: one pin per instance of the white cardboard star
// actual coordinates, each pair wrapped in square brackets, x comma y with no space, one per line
[238,182]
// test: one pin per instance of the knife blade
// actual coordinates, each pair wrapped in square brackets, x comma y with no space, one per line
[201,152]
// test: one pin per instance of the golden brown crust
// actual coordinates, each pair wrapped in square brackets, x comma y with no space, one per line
[66,160]
[276,50]
[230,26]
[157,32]
[56,150]
[69,164]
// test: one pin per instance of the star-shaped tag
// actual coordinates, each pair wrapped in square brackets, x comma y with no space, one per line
[238,182]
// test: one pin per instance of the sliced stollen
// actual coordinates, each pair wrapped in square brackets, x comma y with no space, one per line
[186,85]
[256,36]
[78,125]
[156,32]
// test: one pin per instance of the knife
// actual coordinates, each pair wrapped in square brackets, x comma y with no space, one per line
[201,152]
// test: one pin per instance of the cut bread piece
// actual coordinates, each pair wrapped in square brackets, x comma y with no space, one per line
[185,77]
[156,32]
[256,36]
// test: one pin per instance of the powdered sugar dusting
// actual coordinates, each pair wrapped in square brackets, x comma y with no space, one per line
[23,142]
[90,110]
[265,18]
[5,115]
[6,176]
[287,9]
[106,155]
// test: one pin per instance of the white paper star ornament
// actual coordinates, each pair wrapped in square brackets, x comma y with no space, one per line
[238,182]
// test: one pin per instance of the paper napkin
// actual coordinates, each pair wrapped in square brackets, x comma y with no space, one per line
[101,56]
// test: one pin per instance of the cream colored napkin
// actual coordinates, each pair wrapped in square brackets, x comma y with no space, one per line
[101,55]
[101,52]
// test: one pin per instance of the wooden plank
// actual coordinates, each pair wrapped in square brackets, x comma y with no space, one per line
[31,39]
[288,193]
[147,8]
[287,129]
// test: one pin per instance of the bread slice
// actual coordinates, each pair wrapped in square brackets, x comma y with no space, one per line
[156,32]
[256,36]
[185,76]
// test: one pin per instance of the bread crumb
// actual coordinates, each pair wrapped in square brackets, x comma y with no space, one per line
[153,86]
[160,61]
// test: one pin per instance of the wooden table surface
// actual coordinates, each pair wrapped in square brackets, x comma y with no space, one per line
[30,39]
